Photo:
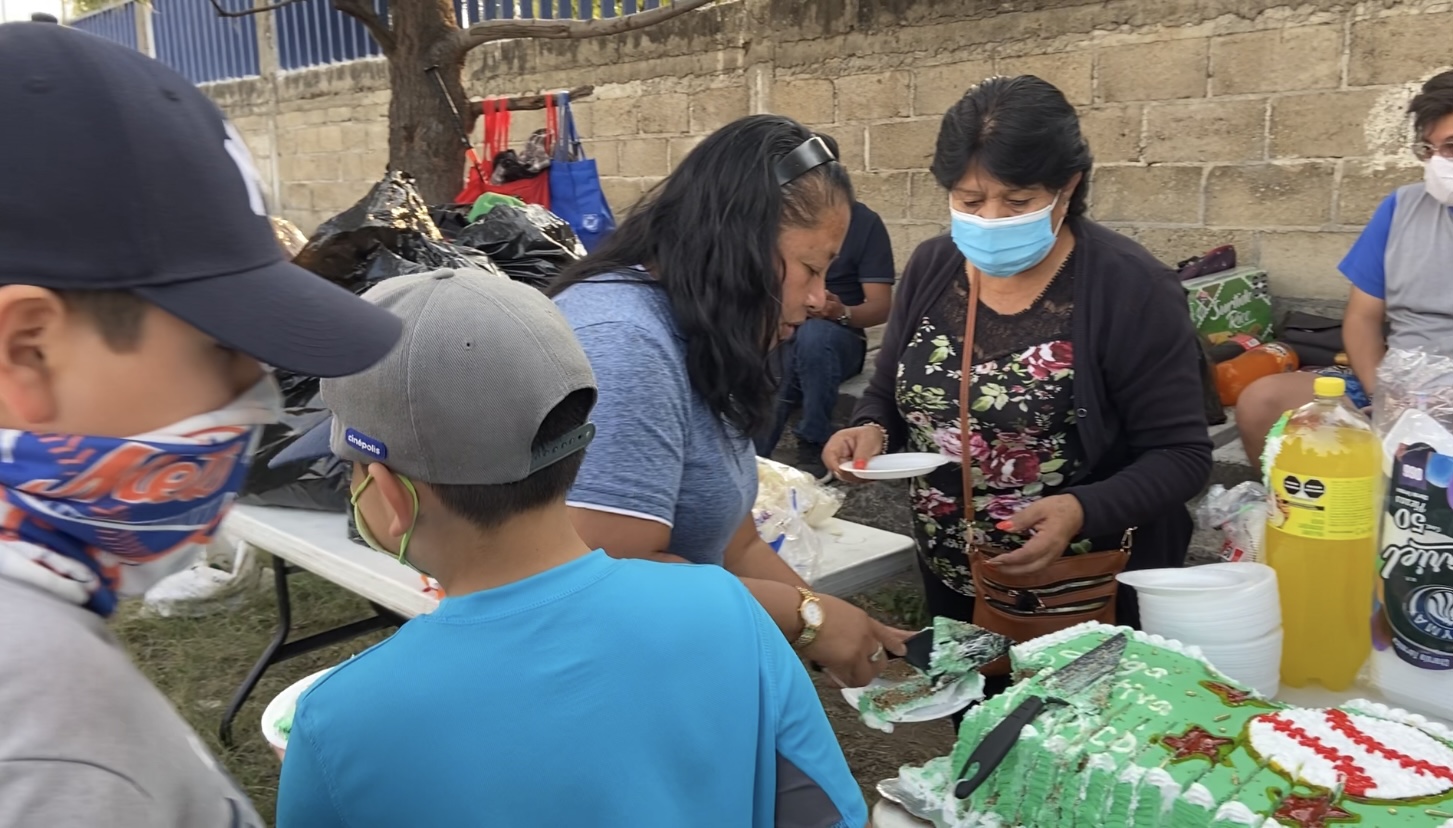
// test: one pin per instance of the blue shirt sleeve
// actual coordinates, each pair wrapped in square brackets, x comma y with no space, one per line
[876,265]
[304,796]
[814,785]
[634,466]
[1364,264]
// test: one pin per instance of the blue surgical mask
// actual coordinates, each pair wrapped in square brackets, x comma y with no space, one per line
[1005,246]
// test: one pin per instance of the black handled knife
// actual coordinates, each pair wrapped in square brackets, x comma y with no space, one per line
[1097,664]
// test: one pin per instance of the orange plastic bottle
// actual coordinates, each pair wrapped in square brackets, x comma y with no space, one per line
[1233,375]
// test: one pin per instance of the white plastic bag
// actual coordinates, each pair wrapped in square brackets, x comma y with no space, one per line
[789,505]
[1240,513]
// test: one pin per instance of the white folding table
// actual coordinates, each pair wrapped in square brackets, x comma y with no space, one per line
[855,558]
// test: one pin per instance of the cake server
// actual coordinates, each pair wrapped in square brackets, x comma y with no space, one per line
[1075,677]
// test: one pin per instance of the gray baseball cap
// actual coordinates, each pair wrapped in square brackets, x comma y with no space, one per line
[459,400]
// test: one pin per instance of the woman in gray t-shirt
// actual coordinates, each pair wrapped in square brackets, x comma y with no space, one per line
[678,311]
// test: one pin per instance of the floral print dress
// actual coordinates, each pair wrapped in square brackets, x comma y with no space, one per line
[1024,444]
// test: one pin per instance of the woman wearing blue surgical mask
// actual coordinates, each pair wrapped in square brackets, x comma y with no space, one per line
[1086,396]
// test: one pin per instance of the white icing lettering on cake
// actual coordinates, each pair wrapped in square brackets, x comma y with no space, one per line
[1124,744]
[1156,672]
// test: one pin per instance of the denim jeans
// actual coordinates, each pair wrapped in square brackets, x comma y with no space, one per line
[818,359]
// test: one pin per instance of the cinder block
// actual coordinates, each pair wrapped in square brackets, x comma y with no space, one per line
[1163,195]
[1321,125]
[1113,131]
[1208,130]
[1167,70]
[881,95]
[1270,195]
[1280,60]
[937,88]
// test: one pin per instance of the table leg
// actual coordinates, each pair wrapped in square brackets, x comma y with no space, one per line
[279,638]
[281,649]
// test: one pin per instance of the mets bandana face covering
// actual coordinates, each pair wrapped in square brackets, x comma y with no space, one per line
[97,518]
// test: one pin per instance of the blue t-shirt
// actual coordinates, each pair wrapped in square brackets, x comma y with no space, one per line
[659,451]
[604,693]
[1365,263]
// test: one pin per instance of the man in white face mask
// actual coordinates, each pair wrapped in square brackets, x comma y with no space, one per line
[1399,268]
[132,389]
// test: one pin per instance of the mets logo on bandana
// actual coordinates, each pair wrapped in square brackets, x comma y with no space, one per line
[368,445]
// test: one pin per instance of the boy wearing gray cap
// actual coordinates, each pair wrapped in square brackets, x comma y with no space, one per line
[554,685]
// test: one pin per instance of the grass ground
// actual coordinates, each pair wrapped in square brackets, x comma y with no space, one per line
[198,663]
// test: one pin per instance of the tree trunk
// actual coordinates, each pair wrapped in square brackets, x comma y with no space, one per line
[423,137]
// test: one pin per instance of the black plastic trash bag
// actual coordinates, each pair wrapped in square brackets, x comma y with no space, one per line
[516,242]
[391,219]
[320,485]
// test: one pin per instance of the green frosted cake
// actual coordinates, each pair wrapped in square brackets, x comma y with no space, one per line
[1168,742]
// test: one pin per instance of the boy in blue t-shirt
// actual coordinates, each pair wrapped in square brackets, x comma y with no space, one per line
[554,686]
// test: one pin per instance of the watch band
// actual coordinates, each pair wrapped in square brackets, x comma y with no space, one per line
[809,629]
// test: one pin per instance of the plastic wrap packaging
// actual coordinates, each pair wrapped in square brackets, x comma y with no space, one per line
[790,505]
[1412,631]
[1240,514]
[289,237]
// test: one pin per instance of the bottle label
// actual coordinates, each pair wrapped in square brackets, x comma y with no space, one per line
[1415,559]
[1323,508]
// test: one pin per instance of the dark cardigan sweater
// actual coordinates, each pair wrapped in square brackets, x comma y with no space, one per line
[1137,387]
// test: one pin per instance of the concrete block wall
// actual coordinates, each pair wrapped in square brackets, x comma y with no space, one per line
[1277,128]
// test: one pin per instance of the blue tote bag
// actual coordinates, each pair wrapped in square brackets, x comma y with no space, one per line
[574,181]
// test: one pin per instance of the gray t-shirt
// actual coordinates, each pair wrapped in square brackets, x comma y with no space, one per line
[659,452]
[86,740]
[1419,264]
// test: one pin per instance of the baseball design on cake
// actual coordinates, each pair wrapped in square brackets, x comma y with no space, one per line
[1367,758]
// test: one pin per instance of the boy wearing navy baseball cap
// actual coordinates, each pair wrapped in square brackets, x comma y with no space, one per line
[132,390]
[555,685]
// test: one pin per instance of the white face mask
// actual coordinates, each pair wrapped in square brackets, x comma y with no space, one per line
[1438,176]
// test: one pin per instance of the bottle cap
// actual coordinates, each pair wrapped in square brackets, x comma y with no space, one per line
[1329,386]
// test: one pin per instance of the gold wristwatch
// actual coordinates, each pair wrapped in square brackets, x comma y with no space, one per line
[810,610]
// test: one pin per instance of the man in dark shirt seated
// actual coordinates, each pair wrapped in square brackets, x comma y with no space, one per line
[830,347]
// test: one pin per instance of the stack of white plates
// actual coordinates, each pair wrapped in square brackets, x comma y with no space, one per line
[1231,611]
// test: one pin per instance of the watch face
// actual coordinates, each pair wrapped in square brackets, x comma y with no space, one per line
[812,613]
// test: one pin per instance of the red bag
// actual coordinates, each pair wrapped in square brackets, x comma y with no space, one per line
[532,190]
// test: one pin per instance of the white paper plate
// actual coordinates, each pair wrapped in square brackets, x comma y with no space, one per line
[1195,578]
[899,466]
[947,701]
[280,705]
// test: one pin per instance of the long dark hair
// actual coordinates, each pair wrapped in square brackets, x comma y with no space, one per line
[1021,131]
[708,233]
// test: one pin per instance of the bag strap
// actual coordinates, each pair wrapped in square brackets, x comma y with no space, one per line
[569,149]
[966,382]
[971,313]
[496,127]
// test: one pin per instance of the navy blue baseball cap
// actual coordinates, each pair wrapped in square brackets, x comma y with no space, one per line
[116,173]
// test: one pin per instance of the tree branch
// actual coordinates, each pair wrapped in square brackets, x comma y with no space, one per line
[491,30]
[222,12]
[363,12]
[521,102]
